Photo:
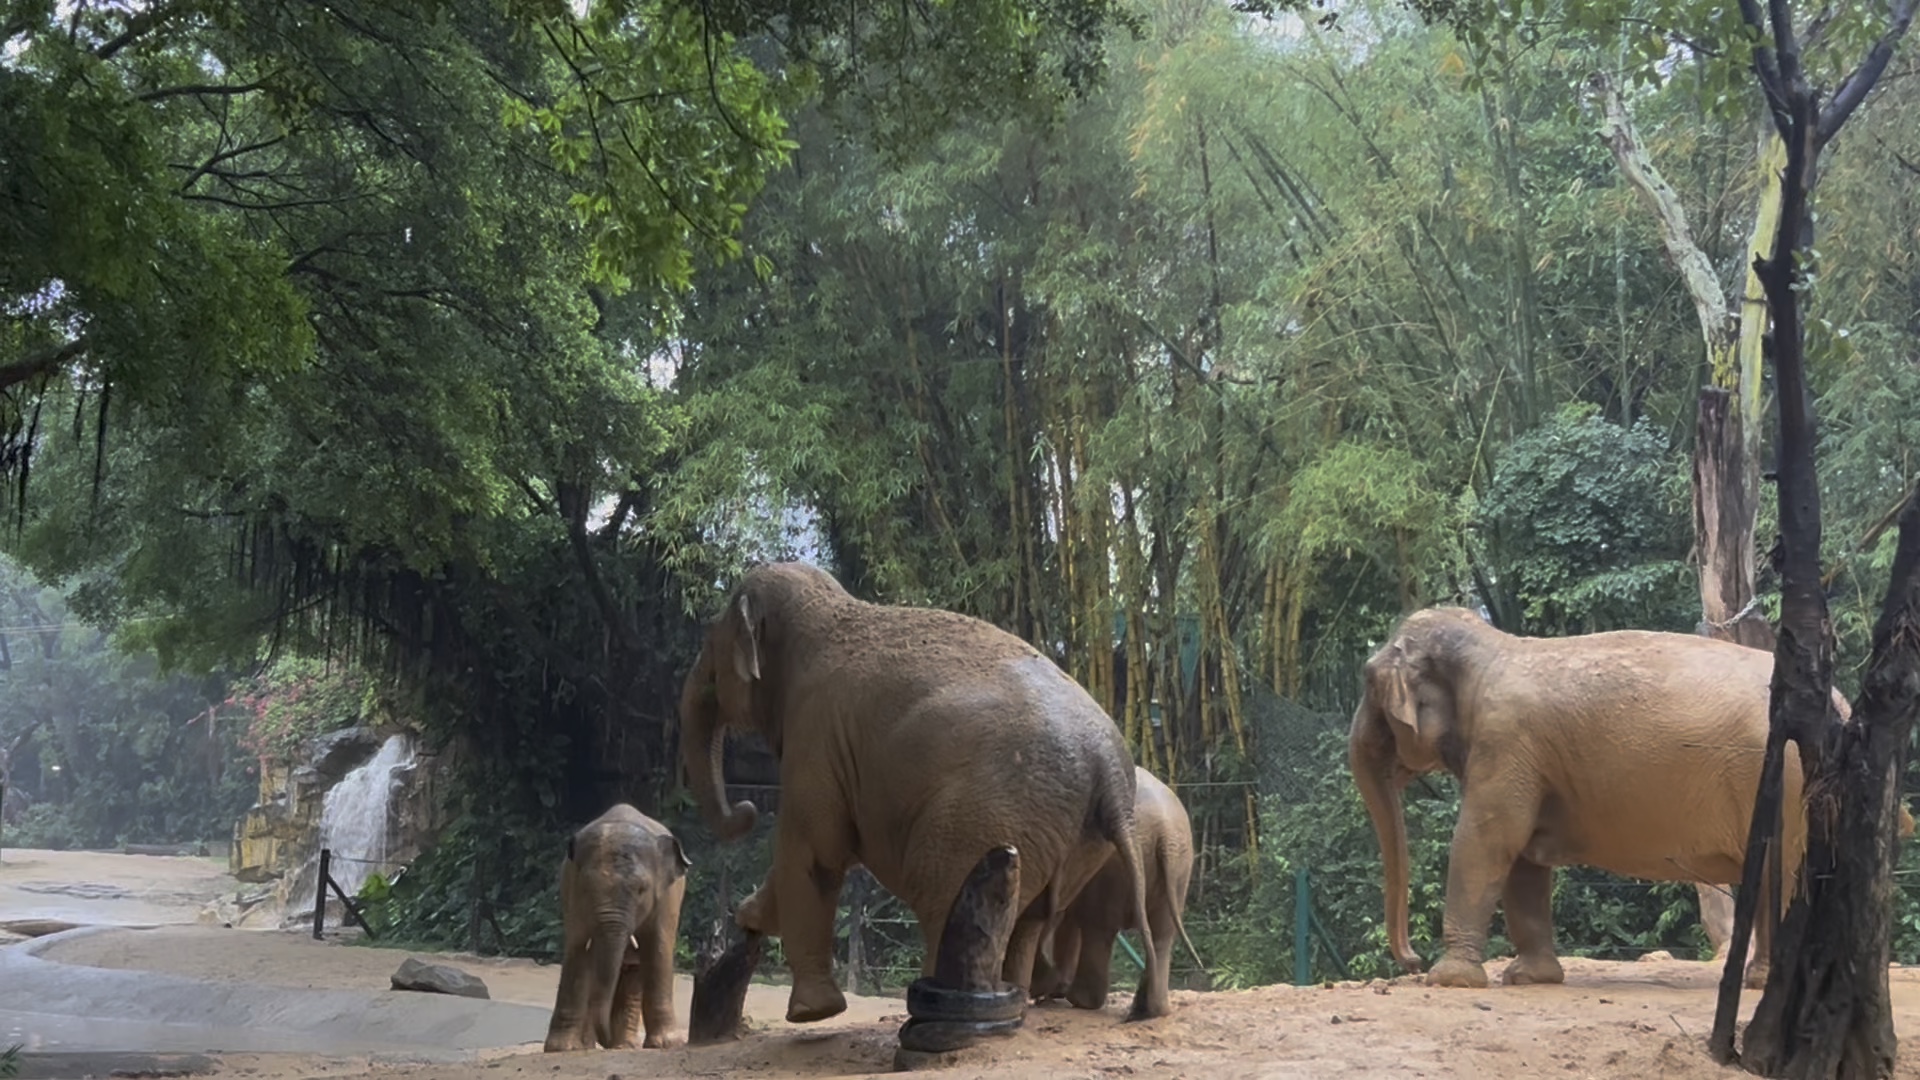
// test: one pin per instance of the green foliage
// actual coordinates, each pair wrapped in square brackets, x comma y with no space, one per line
[1587,522]
[490,877]
[10,1060]
[296,699]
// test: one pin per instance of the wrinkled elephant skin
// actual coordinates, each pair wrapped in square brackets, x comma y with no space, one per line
[1078,959]
[1636,752]
[621,886]
[910,741]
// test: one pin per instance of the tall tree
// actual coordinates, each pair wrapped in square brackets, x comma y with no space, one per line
[1826,1011]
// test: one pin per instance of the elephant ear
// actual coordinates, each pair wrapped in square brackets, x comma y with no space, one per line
[746,640]
[679,862]
[1393,687]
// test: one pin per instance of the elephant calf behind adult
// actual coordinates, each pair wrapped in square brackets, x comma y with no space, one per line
[1632,751]
[621,886]
[1078,960]
[912,741]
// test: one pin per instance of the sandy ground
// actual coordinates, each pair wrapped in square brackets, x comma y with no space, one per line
[1609,1020]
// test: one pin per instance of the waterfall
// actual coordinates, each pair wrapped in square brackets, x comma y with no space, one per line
[353,819]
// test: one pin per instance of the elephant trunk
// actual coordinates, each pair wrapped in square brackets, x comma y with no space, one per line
[702,742]
[1375,773]
[607,953]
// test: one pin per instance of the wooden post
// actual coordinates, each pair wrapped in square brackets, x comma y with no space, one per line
[320,893]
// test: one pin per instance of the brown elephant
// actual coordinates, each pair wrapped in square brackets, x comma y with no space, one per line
[910,740]
[621,886]
[1633,751]
[1076,962]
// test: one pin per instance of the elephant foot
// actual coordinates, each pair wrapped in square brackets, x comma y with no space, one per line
[814,999]
[756,914]
[1148,1007]
[564,1043]
[1527,970]
[1756,975]
[1082,997]
[662,1041]
[1456,972]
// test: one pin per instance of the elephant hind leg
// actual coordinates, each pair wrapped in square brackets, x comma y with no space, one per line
[1093,973]
[1528,899]
[1054,968]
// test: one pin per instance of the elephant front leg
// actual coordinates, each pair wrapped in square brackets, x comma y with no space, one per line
[1495,820]
[807,895]
[571,1027]
[1528,901]
[656,968]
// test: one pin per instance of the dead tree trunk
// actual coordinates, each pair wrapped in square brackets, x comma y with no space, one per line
[1826,1011]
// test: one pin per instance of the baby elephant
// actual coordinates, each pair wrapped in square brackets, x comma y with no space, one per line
[620,892]
[1077,961]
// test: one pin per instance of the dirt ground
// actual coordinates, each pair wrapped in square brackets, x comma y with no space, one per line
[1646,1019]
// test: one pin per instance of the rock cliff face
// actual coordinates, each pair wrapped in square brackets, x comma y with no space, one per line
[276,844]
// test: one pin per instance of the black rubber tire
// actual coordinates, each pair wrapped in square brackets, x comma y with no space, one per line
[940,1036]
[930,1000]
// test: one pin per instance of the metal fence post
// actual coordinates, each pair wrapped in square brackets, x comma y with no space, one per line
[1302,929]
[320,893]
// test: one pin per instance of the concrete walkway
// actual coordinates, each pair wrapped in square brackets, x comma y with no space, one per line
[55,1008]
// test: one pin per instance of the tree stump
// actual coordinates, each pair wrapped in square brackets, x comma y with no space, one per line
[965,999]
[720,993]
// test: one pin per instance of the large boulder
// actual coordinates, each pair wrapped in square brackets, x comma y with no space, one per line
[417,974]
[334,754]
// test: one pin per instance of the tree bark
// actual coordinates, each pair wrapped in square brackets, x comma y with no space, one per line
[1826,1010]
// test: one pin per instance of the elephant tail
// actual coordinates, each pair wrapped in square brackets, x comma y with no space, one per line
[1195,953]
[1125,841]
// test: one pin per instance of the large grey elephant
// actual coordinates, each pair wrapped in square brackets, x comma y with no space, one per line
[912,741]
[621,886]
[1632,751]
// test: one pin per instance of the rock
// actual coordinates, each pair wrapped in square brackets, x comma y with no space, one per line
[417,974]
[1657,954]
[33,928]
[334,754]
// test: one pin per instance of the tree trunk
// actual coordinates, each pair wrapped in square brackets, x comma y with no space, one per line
[1826,1010]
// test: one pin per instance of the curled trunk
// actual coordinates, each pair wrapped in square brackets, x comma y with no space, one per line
[702,746]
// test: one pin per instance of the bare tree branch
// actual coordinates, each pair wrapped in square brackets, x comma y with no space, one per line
[208,90]
[139,26]
[1766,68]
[47,360]
[1709,299]
[1854,89]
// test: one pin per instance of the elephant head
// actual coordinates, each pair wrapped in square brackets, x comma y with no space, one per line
[727,687]
[1406,726]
